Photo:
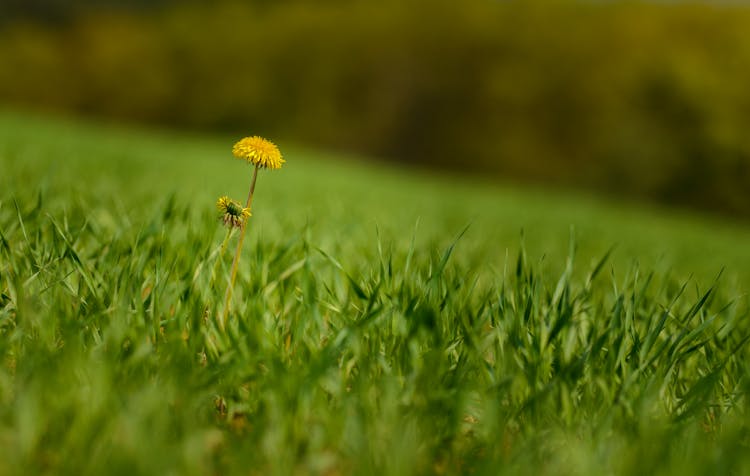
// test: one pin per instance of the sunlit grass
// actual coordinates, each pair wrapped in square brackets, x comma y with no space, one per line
[386,322]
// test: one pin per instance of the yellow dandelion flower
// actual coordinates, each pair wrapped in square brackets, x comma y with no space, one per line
[232,213]
[259,152]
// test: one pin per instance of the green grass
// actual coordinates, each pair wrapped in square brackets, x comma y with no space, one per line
[372,332]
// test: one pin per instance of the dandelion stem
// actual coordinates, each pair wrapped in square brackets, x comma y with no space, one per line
[237,253]
[219,258]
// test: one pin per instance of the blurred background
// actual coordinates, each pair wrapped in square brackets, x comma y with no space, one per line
[644,100]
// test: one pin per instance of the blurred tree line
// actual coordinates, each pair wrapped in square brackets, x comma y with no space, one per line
[644,99]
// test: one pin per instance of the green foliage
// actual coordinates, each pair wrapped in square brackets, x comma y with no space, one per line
[635,97]
[357,345]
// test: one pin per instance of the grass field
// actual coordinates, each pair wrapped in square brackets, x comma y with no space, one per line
[385,321]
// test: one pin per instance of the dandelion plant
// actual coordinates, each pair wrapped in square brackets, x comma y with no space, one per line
[262,154]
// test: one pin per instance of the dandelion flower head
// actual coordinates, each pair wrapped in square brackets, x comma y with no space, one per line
[258,151]
[232,213]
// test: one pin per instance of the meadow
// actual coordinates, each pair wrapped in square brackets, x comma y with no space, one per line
[385,320]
